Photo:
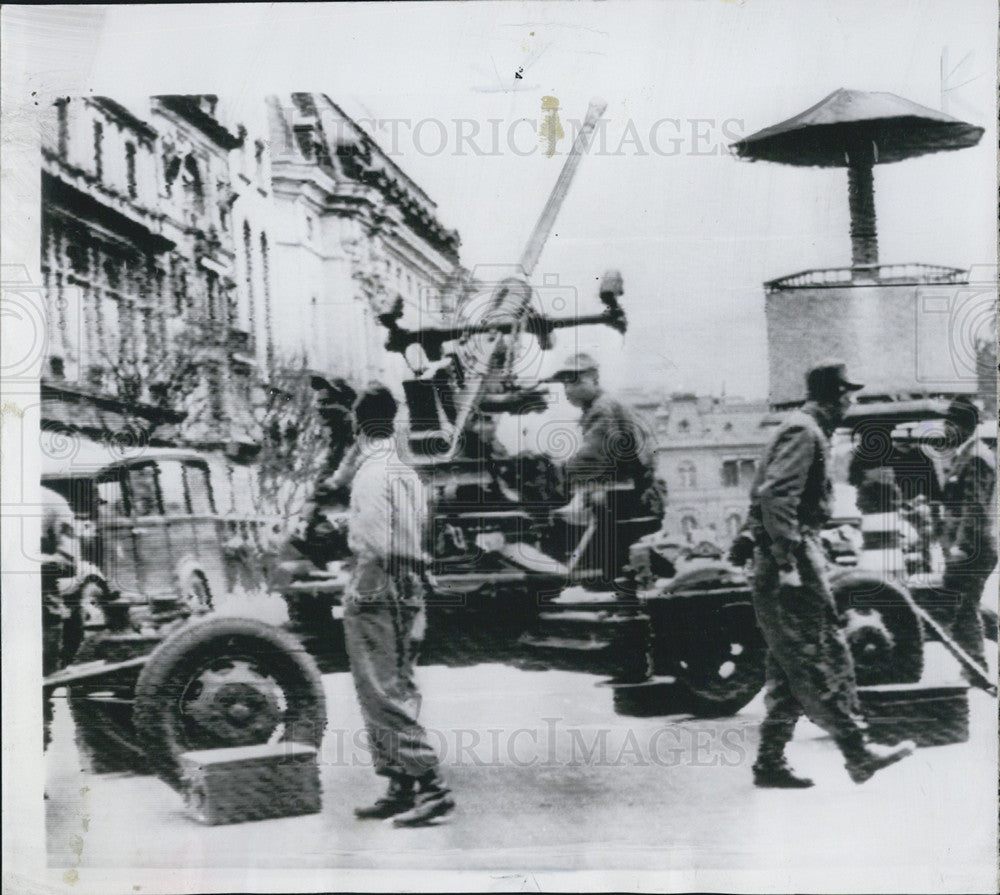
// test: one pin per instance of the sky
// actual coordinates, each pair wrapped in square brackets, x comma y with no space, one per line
[694,231]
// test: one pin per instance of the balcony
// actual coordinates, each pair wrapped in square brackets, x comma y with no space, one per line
[870,275]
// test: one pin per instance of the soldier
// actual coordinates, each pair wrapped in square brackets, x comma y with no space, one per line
[617,449]
[384,616]
[809,666]
[969,542]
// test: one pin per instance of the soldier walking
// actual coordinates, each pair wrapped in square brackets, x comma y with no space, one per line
[809,666]
[969,542]
[384,616]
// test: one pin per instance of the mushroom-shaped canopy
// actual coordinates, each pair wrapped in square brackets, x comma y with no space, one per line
[885,127]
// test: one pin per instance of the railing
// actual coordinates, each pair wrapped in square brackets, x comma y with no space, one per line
[868,275]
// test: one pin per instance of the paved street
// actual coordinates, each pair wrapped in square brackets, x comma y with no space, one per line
[548,776]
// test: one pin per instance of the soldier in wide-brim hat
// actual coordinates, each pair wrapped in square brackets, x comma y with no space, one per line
[810,670]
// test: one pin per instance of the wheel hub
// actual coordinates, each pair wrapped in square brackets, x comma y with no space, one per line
[236,705]
[870,641]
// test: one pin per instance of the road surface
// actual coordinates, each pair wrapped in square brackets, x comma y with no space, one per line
[548,776]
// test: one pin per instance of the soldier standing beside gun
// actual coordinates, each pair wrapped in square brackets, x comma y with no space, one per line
[384,616]
[809,666]
[969,542]
[617,449]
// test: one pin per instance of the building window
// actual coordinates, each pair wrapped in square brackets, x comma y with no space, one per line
[191,179]
[62,111]
[171,168]
[738,472]
[683,426]
[689,524]
[687,476]
[310,227]
[133,190]
[265,262]
[730,473]
[99,149]
[733,524]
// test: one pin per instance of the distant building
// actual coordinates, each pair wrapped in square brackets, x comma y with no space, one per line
[708,453]
[353,233]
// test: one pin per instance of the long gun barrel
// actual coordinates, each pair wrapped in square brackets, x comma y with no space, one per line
[510,312]
[539,236]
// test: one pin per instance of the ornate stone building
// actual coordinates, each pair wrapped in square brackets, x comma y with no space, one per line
[353,234]
[142,258]
[187,245]
[707,454]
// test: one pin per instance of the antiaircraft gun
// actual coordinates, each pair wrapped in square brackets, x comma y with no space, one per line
[532,569]
[520,566]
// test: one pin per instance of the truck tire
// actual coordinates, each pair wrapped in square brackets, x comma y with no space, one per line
[724,668]
[884,634]
[711,644]
[223,682]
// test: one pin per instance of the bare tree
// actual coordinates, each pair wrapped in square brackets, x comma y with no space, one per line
[294,444]
[179,381]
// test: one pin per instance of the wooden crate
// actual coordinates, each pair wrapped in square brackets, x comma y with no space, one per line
[930,715]
[226,786]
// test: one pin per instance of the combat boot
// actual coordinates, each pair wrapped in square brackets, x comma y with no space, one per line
[398,798]
[771,770]
[865,758]
[776,774]
[432,802]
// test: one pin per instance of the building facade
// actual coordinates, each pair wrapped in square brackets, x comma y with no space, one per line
[708,450]
[189,247]
[353,234]
[139,262]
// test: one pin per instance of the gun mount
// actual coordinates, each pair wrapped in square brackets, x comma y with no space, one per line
[467,365]
[433,338]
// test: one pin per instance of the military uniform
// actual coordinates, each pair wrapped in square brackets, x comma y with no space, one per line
[969,539]
[618,446]
[809,665]
[617,449]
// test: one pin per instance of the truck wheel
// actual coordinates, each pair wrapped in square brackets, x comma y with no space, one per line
[224,682]
[720,667]
[885,637]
